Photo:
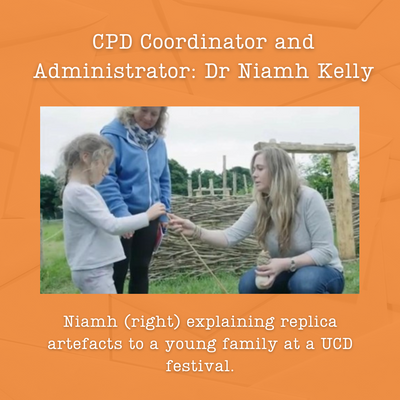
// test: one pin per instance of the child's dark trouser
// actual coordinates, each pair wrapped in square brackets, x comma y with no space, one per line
[138,251]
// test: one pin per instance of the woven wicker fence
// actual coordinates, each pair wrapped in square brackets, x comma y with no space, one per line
[210,212]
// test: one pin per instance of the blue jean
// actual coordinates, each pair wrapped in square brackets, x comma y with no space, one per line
[311,279]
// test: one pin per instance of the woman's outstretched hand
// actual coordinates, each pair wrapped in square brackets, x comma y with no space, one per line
[181,225]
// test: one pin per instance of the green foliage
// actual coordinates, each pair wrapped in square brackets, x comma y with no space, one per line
[49,188]
[179,177]
[49,197]
[240,171]
[319,175]
[355,181]
[206,175]
[217,178]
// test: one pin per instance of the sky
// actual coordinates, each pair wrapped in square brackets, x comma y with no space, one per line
[199,137]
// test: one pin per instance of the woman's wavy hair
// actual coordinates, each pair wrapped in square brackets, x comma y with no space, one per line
[126,117]
[277,207]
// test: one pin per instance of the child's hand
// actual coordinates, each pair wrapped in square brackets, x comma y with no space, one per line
[128,235]
[156,211]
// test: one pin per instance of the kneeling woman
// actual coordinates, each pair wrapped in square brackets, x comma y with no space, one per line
[291,221]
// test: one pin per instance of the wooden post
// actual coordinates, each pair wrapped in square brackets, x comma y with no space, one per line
[211,186]
[343,206]
[190,187]
[199,193]
[234,183]
[246,190]
[307,148]
[224,185]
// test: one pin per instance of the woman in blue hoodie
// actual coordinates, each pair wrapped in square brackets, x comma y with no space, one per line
[138,178]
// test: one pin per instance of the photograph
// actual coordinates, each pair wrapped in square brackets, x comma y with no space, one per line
[199,200]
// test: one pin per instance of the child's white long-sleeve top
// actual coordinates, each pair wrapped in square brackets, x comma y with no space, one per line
[91,231]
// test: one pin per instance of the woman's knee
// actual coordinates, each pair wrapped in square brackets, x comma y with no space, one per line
[305,280]
[315,279]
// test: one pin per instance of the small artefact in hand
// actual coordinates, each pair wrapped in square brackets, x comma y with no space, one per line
[263,282]
[263,258]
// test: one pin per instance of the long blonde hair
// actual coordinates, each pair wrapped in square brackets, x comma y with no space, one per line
[126,117]
[277,207]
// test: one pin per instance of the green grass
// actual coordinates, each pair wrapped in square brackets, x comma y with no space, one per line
[55,276]
[52,232]
[351,276]
[207,284]
[189,284]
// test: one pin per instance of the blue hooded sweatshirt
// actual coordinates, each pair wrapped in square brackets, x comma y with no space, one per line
[138,178]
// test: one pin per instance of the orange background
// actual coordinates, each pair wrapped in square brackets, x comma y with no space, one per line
[366,32]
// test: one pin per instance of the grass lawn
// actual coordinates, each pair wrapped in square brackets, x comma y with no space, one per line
[55,276]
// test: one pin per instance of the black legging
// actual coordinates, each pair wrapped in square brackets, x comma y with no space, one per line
[138,251]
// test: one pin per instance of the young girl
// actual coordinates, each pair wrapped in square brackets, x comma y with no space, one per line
[91,232]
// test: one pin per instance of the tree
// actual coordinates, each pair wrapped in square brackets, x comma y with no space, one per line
[194,175]
[59,173]
[240,171]
[319,174]
[355,180]
[206,175]
[179,176]
[49,197]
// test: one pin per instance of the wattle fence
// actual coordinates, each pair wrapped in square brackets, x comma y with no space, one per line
[210,212]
